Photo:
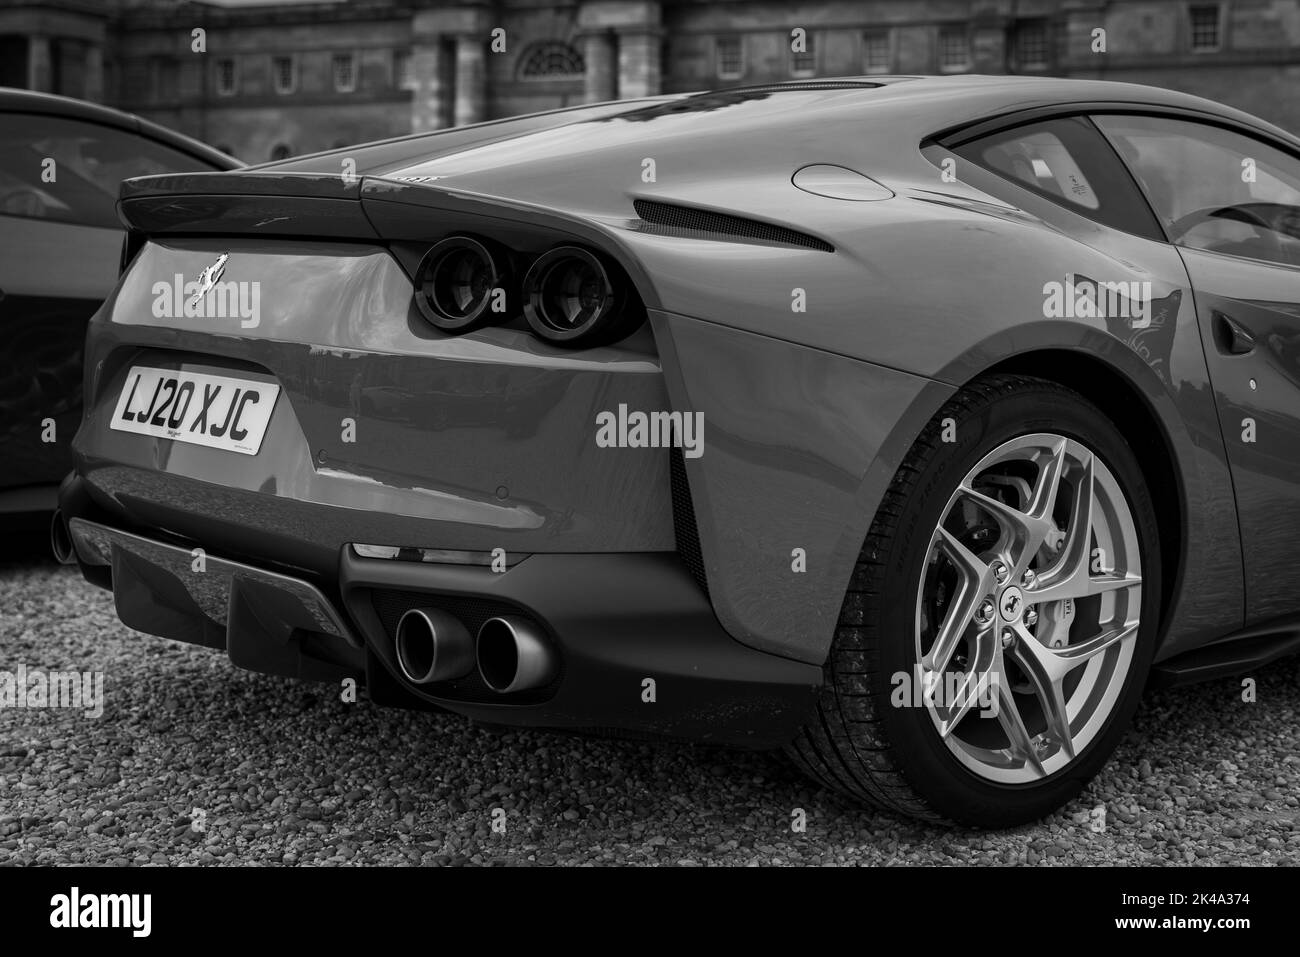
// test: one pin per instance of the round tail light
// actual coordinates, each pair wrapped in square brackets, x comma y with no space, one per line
[571,297]
[457,284]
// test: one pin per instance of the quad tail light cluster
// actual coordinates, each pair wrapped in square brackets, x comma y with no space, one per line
[569,295]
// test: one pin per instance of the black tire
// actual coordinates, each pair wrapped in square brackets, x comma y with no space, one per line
[893,758]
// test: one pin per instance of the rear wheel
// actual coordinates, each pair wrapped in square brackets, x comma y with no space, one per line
[1001,619]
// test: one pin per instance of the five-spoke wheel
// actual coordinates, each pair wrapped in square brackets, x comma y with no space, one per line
[1026,615]
[1001,619]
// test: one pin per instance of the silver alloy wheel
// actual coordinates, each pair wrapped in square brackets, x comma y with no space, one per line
[1028,608]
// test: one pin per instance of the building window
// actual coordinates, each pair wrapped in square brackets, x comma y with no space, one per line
[227,77]
[730,53]
[403,74]
[877,56]
[13,61]
[1033,45]
[280,151]
[804,62]
[345,72]
[550,59]
[284,73]
[954,50]
[1205,27]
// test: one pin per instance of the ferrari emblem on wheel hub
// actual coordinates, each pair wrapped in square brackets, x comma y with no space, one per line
[1012,604]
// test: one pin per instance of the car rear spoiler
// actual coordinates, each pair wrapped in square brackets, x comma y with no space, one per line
[328,206]
[246,203]
[315,205]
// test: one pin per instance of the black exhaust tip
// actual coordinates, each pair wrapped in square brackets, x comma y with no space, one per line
[512,656]
[433,645]
[61,540]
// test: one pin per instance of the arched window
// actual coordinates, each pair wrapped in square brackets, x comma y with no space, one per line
[550,59]
[279,151]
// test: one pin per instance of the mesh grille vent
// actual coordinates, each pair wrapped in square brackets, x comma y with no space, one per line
[701,220]
[684,528]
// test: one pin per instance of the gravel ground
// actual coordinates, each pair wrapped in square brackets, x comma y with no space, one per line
[274,771]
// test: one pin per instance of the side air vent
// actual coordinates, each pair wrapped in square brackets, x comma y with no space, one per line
[701,220]
[684,527]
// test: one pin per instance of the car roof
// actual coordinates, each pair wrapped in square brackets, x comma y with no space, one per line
[980,85]
[48,104]
[942,101]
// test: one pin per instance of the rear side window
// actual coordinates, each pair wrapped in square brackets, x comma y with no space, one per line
[1069,162]
[69,170]
[1039,159]
[1214,189]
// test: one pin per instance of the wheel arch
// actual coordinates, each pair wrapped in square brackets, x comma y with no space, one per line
[1128,406]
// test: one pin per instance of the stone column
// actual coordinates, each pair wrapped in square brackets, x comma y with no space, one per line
[429,98]
[94,84]
[471,80]
[636,24]
[989,53]
[451,84]
[638,63]
[40,74]
[598,59]
[1078,58]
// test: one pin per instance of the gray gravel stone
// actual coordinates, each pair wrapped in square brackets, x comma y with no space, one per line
[197,762]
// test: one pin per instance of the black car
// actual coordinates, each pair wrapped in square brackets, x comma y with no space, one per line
[61,164]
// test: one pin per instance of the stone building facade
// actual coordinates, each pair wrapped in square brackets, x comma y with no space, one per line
[272,79]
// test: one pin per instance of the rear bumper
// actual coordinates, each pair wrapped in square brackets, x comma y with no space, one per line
[389,432]
[614,621]
[386,431]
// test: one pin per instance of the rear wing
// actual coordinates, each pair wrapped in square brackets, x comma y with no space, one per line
[408,217]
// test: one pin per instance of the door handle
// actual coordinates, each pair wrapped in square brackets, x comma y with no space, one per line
[1232,338]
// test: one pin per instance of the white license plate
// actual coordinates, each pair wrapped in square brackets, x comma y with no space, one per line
[218,411]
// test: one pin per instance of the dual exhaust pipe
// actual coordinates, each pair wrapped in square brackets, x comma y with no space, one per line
[433,645]
[509,652]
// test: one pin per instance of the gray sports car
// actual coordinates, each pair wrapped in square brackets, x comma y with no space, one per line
[912,424]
